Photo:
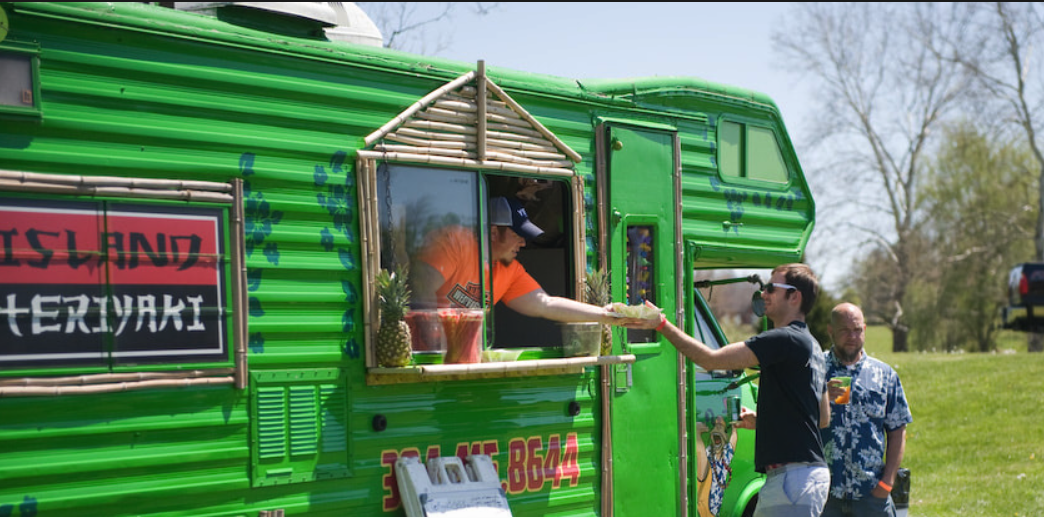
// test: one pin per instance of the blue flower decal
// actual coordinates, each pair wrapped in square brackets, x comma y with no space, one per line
[338,198]
[254,278]
[260,218]
[255,307]
[257,343]
[326,240]
[351,348]
[351,295]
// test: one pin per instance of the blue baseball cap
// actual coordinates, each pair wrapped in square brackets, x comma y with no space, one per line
[509,212]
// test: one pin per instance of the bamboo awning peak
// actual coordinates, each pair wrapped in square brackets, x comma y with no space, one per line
[475,112]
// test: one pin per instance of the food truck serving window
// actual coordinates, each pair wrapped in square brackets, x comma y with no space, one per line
[441,225]
[438,185]
[419,220]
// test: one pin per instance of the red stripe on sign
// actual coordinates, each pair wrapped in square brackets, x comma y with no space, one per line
[75,246]
[162,249]
[39,246]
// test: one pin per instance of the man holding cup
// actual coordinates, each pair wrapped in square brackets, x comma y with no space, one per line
[868,416]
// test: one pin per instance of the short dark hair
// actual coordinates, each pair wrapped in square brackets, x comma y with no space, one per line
[801,277]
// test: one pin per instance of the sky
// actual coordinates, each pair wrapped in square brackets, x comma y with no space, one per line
[728,43]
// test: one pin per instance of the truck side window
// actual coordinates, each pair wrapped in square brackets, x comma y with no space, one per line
[641,275]
[20,70]
[749,151]
[730,145]
[764,158]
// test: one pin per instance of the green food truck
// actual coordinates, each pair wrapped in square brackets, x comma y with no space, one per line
[208,228]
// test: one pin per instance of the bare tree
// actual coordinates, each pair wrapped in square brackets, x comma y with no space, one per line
[1000,55]
[979,196]
[881,94]
[413,26]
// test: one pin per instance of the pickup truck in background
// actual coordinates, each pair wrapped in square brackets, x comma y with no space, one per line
[1025,309]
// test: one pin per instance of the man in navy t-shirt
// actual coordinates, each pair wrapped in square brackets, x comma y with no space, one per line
[792,393]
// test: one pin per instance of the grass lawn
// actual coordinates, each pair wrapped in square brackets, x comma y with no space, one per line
[976,446]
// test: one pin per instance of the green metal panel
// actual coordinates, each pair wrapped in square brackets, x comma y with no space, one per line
[645,417]
[123,453]
[524,425]
[750,223]
[301,426]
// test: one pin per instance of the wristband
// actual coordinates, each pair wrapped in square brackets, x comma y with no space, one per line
[884,486]
[663,322]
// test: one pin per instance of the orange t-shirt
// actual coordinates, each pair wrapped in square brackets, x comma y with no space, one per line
[453,251]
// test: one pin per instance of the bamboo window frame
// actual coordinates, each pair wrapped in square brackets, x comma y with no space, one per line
[158,189]
[472,124]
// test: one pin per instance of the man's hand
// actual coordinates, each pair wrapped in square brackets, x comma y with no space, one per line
[748,419]
[834,389]
[646,323]
[616,319]
[879,492]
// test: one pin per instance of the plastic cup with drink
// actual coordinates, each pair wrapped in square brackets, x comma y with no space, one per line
[846,384]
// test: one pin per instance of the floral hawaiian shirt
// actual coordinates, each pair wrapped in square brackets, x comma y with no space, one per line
[721,470]
[855,445]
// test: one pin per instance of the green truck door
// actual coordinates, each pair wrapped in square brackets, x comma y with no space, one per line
[642,262]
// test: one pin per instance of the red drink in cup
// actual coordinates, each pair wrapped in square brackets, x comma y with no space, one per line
[463,330]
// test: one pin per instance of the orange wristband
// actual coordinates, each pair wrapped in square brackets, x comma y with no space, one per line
[663,322]
[884,486]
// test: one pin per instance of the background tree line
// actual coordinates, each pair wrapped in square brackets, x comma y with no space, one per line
[926,149]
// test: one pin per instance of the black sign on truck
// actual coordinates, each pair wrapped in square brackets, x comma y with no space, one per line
[108,283]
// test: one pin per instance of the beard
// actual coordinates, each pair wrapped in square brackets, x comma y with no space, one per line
[845,356]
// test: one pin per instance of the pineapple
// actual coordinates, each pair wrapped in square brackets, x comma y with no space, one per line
[393,337]
[598,294]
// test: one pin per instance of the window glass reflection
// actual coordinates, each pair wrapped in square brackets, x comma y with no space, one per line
[641,275]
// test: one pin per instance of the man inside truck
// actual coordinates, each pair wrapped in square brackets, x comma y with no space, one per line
[792,394]
[447,274]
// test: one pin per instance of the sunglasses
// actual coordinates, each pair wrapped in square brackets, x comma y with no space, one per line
[771,287]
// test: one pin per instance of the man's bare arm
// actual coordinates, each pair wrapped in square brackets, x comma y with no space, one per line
[734,356]
[538,303]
